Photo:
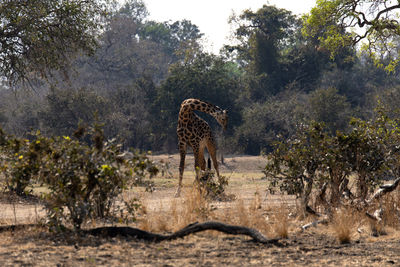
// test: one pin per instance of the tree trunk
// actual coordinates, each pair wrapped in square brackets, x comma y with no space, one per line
[305,197]
[362,188]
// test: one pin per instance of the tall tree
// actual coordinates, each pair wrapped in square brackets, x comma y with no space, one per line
[37,36]
[274,53]
[132,47]
[172,36]
[262,35]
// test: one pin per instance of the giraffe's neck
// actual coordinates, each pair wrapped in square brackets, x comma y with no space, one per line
[189,105]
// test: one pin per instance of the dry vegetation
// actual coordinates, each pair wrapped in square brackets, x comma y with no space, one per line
[350,238]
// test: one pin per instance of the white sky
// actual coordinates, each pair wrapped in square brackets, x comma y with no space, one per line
[211,16]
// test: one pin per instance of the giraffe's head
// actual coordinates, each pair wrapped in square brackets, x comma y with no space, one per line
[222,118]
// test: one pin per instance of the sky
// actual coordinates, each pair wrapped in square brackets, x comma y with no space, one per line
[211,16]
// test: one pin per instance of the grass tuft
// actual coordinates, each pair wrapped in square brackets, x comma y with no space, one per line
[281,221]
[344,223]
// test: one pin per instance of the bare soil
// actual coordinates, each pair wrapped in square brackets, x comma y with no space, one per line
[34,246]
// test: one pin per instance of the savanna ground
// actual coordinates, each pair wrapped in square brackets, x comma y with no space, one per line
[249,205]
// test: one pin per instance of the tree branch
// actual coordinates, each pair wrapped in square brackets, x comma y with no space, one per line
[386,10]
[383,190]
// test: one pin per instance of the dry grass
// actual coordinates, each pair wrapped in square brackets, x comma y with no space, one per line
[178,213]
[387,211]
[272,221]
[281,221]
[163,213]
[250,213]
[391,209]
[344,224]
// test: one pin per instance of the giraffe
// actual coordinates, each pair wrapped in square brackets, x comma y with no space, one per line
[195,132]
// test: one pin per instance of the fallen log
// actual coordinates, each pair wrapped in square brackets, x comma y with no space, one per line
[189,229]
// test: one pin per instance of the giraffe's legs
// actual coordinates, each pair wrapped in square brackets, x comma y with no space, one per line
[182,152]
[202,161]
[212,150]
[198,160]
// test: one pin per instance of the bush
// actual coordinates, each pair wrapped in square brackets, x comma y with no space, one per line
[209,187]
[87,178]
[21,160]
[312,159]
[84,178]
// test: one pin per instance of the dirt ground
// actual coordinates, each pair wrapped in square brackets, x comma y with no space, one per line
[313,247]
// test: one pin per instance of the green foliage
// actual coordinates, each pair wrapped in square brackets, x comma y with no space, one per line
[274,53]
[83,179]
[171,36]
[41,35]
[341,23]
[66,108]
[201,75]
[327,106]
[264,38]
[262,122]
[135,9]
[295,161]
[86,179]
[271,79]
[312,157]
[130,119]
[21,161]
[262,35]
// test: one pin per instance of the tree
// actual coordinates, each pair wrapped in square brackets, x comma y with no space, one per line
[262,35]
[19,108]
[122,56]
[129,115]
[274,53]
[172,36]
[262,122]
[65,109]
[132,47]
[312,159]
[37,36]
[342,23]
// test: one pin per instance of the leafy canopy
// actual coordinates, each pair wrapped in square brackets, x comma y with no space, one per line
[342,23]
[37,36]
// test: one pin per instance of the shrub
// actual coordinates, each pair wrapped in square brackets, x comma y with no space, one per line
[87,178]
[21,160]
[209,187]
[84,178]
[312,158]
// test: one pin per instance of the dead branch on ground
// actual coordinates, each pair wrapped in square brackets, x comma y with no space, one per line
[189,229]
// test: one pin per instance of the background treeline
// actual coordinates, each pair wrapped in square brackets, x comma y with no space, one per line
[272,79]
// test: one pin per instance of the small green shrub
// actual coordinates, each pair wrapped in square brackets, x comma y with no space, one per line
[86,178]
[211,187]
[21,160]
